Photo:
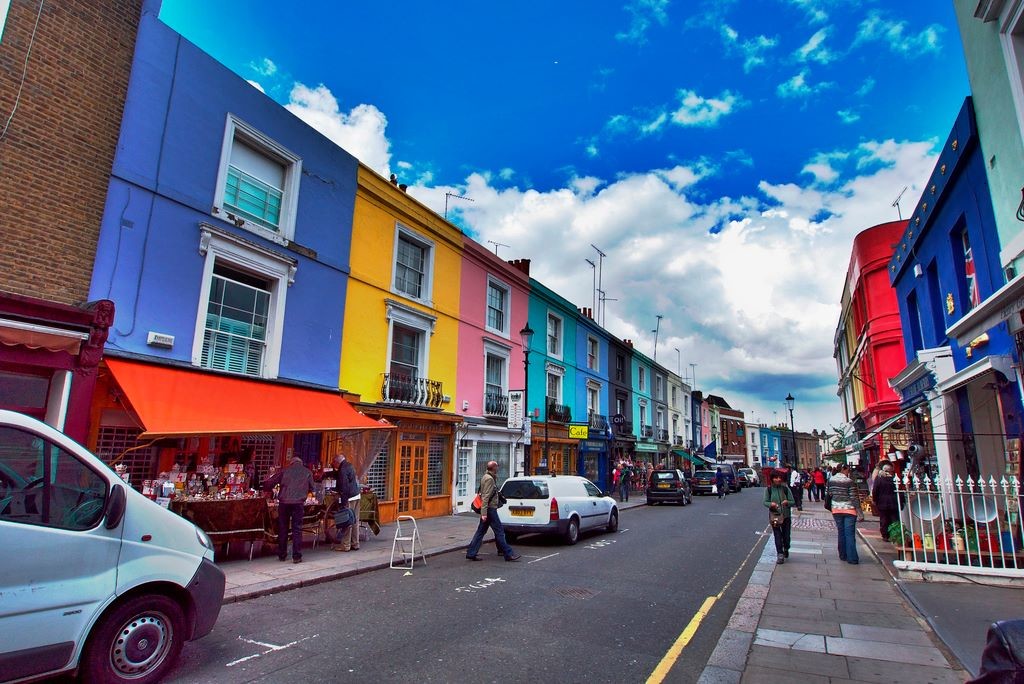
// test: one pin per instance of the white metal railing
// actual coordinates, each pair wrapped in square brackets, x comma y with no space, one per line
[966,526]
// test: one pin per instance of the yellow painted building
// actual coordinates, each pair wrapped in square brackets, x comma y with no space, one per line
[400,343]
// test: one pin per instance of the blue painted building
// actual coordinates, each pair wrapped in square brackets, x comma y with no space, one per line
[553,379]
[960,398]
[644,409]
[224,241]
[593,389]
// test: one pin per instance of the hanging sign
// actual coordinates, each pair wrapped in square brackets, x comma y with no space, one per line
[515,409]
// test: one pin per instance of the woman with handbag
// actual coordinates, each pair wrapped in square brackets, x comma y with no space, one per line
[779,500]
[843,499]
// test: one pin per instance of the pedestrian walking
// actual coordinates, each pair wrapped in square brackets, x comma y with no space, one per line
[489,503]
[778,499]
[796,487]
[720,482]
[846,511]
[296,483]
[818,478]
[624,476]
[884,496]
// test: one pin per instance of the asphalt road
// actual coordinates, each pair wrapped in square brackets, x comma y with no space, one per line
[605,610]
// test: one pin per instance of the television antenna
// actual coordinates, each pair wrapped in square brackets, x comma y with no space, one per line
[461,197]
[896,202]
[600,265]
[497,245]
[656,330]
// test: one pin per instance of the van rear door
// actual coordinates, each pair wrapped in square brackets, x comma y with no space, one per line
[61,560]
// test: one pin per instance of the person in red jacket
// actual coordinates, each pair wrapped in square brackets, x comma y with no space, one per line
[818,478]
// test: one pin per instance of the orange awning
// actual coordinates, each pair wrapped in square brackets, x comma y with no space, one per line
[177,402]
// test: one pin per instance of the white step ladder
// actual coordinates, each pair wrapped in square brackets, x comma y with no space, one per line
[408,535]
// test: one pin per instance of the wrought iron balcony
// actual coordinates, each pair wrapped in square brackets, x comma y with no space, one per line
[647,431]
[661,434]
[624,428]
[496,404]
[677,440]
[559,413]
[598,422]
[400,388]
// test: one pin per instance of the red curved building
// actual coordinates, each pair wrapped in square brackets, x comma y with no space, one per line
[869,343]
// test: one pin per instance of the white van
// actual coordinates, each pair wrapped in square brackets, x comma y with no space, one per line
[555,504]
[94,576]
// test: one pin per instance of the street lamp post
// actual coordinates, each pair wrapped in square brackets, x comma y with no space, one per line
[792,431]
[527,336]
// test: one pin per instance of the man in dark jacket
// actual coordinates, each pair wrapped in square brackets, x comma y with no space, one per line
[348,498]
[296,483]
[884,495]
[720,483]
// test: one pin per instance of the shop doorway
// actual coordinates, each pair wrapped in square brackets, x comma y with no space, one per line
[411,473]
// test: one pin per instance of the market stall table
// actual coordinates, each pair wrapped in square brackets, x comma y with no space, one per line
[226,520]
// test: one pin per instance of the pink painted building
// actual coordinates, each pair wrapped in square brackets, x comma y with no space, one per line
[492,310]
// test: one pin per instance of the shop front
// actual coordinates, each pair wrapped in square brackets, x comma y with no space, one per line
[49,354]
[552,450]
[479,443]
[202,443]
[594,463]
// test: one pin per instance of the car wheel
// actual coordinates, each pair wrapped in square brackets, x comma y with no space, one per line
[137,642]
[572,532]
[613,522]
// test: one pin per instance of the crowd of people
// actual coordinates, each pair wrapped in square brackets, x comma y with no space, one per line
[629,475]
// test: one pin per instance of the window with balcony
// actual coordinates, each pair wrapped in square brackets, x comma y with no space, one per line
[554,388]
[406,380]
[495,382]
[497,307]
[593,399]
[413,265]
[258,183]
[554,336]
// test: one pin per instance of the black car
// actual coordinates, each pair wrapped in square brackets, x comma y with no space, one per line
[668,485]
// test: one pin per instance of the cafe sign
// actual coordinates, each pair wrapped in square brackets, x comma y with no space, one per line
[579,431]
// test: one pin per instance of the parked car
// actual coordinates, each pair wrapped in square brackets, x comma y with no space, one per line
[702,482]
[106,582]
[565,505]
[732,478]
[751,477]
[668,485]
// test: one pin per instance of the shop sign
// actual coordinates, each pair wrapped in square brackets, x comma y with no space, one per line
[916,388]
[579,431]
[515,409]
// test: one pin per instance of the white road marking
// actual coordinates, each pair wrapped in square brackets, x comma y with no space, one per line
[545,557]
[718,514]
[271,648]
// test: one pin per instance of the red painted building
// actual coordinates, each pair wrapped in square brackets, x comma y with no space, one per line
[869,343]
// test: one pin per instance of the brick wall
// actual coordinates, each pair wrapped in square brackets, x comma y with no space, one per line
[56,156]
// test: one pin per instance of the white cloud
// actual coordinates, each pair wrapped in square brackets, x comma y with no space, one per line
[361,131]
[816,14]
[752,50]
[877,27]
[643,14]
[866,87]
[730,275]
[256,85]
[799,87]
[264,67]
[814,49]
[695,110]
[848,116]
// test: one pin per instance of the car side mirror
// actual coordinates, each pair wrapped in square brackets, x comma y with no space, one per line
[115,507]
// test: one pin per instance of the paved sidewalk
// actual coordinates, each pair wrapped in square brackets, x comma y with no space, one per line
[818,619]
[264,574]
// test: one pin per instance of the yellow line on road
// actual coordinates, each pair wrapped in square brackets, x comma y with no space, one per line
[670,658]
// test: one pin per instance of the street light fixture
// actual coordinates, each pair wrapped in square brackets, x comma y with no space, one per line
[527,336]
[792,431]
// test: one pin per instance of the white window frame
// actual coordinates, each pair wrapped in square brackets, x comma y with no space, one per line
[236,252]
[640,382]
[492,349]
[236,128]
[1013,55]
[659,391]
[596,364]
[642,405]
[560,338]
[594,391]
[551,370]
[426,293]
[396,312]
[497,284]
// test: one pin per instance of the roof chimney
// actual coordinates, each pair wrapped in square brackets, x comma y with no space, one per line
[522,265]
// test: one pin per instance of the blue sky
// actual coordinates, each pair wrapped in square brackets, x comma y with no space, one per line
[722,154]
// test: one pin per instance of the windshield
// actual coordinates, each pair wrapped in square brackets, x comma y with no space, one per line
[703,473]
[663,476]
